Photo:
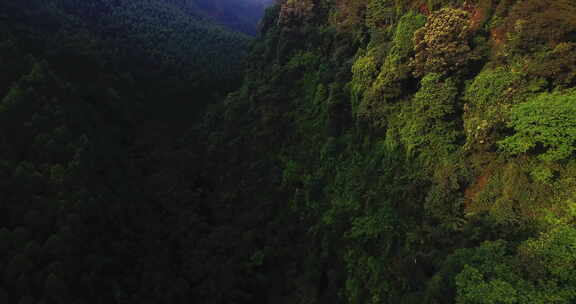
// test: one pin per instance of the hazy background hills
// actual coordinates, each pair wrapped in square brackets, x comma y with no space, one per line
[238,15]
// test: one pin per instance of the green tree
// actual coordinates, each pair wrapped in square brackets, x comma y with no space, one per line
[380,13]
[427,124]
[545,125]
[541,270]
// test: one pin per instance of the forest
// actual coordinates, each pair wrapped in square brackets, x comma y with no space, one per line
[335,151]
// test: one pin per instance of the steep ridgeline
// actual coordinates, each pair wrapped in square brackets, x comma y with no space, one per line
[387,151]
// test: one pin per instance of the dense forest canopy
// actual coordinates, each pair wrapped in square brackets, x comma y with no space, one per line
[353,151]
[94,97]
[426,149]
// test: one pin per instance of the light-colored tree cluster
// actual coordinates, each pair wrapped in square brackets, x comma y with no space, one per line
[442,45]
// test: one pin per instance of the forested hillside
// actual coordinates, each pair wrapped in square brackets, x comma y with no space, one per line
[356,151]
[147,38]
[97,201]
[407,151]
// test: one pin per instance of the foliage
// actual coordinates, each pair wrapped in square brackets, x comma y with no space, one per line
[380,13]
[372,94]
[541,271]
[294,12]
[551,254]
[545,125]
[159,32]
[442,45]
[427,127]
[535,24]
[556,65]
[403,40]
[488,276]
[387,202]
[348,14]
[357,162]
[488,97]
[97,203]
[364,72]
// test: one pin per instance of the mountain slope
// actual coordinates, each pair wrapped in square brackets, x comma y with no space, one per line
[407,151]
[98,201]
[376,152]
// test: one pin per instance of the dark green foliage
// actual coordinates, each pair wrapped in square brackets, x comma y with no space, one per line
[380,13]
[556,65]
[541,271]
[125,33]
[487,99]
[98,201]
[377,82]
[404,36]
[376,152]
[428,125]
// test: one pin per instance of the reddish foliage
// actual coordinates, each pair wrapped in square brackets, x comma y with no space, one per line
[498,35]
[472,192]
[424,10]
[469,7]
[478,16]
[349,13]
[550,22]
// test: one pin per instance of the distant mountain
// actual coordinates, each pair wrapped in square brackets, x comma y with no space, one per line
[238,15]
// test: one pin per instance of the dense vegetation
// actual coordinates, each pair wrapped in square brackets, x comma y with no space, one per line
[97,205]
[420,151]
[376,151]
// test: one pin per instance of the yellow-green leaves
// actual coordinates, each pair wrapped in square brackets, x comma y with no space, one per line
[545,125]
[442,44]
[427,129]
